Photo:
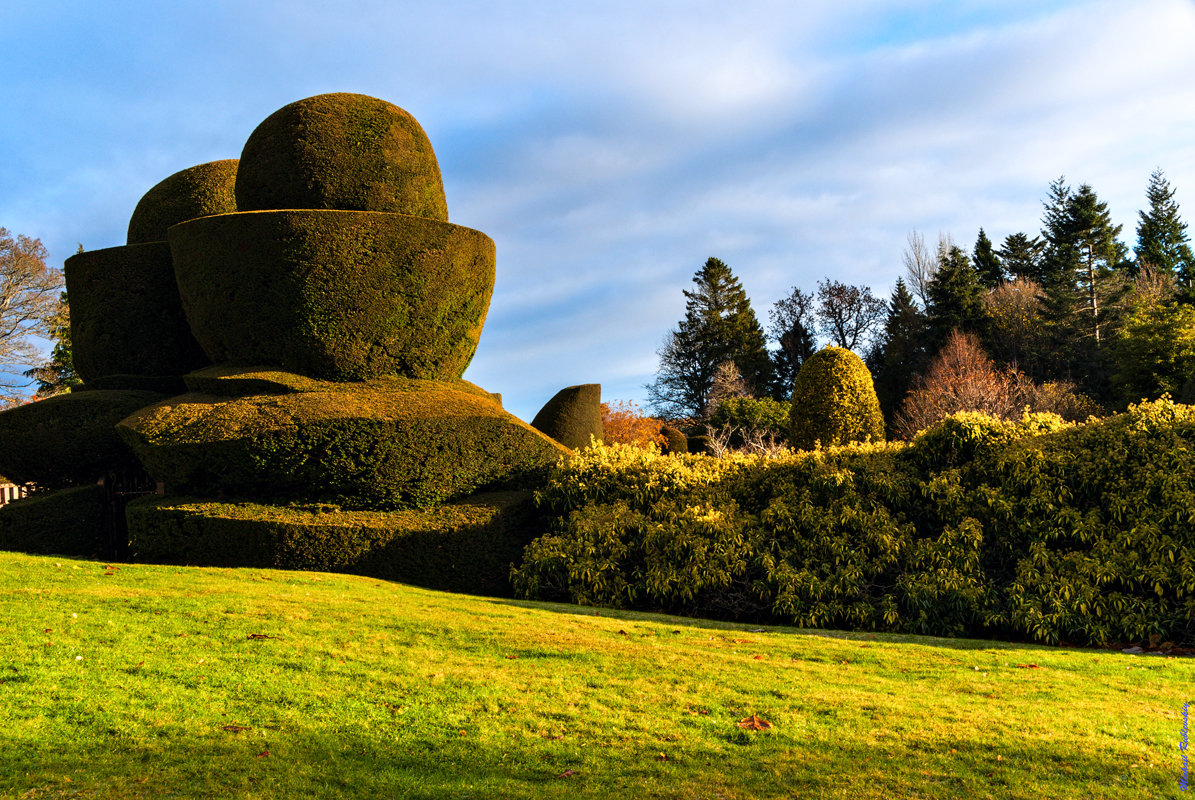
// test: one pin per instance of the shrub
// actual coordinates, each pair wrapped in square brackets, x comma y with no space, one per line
[573,416]
[336,295]
[385,444]
[465,546]
[675,442]
[750,414]
[834,402]
[69,522]
[198,191]
[341,151]
[624,423]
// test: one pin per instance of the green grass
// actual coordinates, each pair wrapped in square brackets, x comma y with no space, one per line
[151,681]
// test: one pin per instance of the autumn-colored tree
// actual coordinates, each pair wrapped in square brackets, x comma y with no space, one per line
[624,423]
[29,291]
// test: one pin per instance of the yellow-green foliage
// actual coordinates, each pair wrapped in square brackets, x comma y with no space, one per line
[197,191]
[382,444]
[1038,528]
[126,318]
[69,522]
[573,415]
[748,413]
[466,546]
[834,402]
[69,438]
[339,295]
[341,151]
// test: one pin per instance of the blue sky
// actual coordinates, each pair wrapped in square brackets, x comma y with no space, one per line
[610,148]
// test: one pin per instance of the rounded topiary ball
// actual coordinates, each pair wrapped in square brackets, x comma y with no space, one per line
[198,191]
[347,152]
[573,415]
[834,402]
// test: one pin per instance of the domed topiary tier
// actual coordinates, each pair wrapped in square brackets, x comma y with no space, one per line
[337,295]
[341,151]
[834,402]
[572,415]
[126,318]
[68,438]
[198,191]
[382,444]
[466,546]
[69,522]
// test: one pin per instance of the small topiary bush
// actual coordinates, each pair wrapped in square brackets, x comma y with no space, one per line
[466,546]
[198,191]
[336,295]
[675,442]
[834,402]
[573,416]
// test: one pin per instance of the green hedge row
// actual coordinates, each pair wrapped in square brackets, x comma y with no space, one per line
[467,546]
[69,522]
[1035,529]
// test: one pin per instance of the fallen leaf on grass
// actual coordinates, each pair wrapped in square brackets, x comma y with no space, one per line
[236,728]
[568,773]
[262,636]
[662,757]
[1028,666]
[512,658]
[263,754]
[755,723]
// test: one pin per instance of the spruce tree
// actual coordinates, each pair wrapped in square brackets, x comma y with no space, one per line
[1022,257]
[1162,240]
[954,297]
[719,326]
[900,354]
[987,264]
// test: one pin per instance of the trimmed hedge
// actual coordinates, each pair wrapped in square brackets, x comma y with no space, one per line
[337,295]
[573,415]
[126,318]
[677,442]
[69,522]
[834,402]
[466,546]
[385,444]
[1034,529]
[198,191]
[341,151]
[69,438]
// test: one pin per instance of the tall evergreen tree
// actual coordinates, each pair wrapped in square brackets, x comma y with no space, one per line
[792,327]
[987,263]
[58,374]
[900,354]
[954,297]
[1022,257]
[719,326]
[1162,240]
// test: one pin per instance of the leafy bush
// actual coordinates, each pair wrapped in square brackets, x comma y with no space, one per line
[748,413]
[624,423]
[834,402]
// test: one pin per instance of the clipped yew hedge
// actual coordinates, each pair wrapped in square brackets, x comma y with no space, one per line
[382,444]
[336,295]
[573,415]
[126,317]
[1036,529]
[466,546]
[68,439]
[341,151]
[69,522]
[198,191]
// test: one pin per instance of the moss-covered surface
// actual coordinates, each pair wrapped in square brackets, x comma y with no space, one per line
[68,439]
[572,415]
[341,151]
[69,522]
[340,295]
[126,318]
[380,445]
[467,546]
[834,402]
[198,191]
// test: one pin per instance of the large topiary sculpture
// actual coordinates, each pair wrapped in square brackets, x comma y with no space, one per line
[834,402]
[573,415]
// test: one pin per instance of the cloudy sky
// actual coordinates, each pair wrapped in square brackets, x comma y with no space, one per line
[610,148]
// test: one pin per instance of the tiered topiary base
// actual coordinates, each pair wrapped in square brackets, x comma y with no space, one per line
[69,522]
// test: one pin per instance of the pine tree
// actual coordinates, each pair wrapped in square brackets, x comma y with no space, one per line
[1022,257]
[987,264]
[719,326]
[900,354]
[792,327]
[954,297]
[1162,240]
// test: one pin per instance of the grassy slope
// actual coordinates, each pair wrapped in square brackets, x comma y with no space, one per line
[121,685]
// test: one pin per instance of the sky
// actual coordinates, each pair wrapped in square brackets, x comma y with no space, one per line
[609,148]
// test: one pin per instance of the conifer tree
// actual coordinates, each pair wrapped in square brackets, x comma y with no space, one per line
[954,297]
[900,354]
[792,327]
[1162,240]
[987,263]
[1021,257]
[719,326]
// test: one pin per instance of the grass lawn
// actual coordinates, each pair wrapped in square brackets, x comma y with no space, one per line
[154,682]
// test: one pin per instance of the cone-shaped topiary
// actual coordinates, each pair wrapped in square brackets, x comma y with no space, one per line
[382,444]
[834,402]
[126,318]
[198,191]
[572,415]
[341,151]
[337,295]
